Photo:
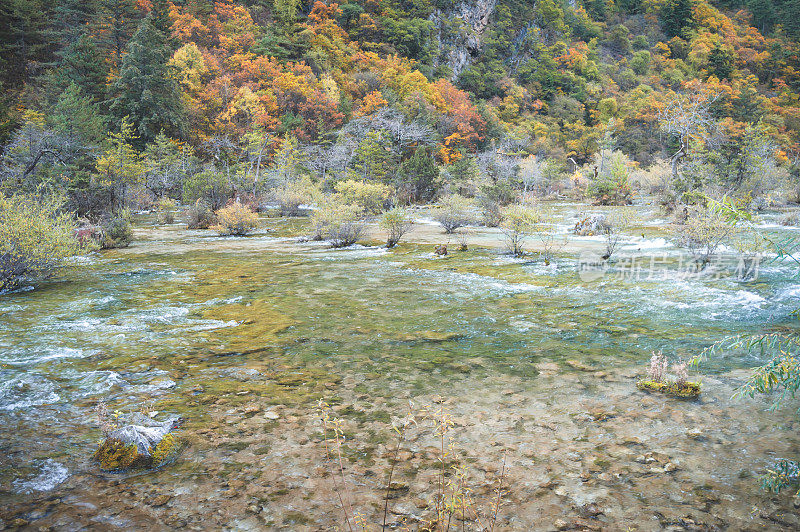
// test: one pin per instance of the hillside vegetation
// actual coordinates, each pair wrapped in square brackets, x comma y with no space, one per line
[118,102]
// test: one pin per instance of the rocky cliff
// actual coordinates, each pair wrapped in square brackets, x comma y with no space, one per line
[459,32]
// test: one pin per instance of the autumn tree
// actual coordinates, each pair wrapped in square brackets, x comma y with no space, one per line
[120,166]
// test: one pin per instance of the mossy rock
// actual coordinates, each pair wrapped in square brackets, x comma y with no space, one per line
[166,450]
[116,455]
[429,337]
[687,390]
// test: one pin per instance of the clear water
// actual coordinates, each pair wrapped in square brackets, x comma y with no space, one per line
[525,354]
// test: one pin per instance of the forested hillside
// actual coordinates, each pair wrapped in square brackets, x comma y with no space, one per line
[494,265]
[108,98]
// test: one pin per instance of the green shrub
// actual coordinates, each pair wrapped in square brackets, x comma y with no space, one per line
[165,207]
[454,211]
[519,222]
[35,238]
[704,231]
[341,224]
[295,193]
[210,186]
[492,199]
[235,219]
[117,231]
[200,216]
[396,222]
[612,187]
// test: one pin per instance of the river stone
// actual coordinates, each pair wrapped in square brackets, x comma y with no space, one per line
[143,432]
[161,500]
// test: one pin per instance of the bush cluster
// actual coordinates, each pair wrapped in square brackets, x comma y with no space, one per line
[235,220]
[36,237]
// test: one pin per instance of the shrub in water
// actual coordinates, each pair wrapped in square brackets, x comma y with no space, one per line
[235,219]
[658,382]
[201,216]
[208,185]
[703,233]
[296,193]
[453,212]
[790,219]
[35,238]
[612,186]
[396,222]
[165,207]
[519,221]
[117,231]
[341,224]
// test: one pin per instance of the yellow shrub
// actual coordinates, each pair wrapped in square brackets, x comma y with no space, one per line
[338,223]
[235,219]
[295,193]
[35,238]
[371,197]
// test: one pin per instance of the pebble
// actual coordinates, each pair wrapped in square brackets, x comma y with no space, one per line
[591,510]
[161,500]
[560,524]
[694,434]
[270,414]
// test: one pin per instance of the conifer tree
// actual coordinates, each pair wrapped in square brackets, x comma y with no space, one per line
[159,16]
[117,24]
[82,64]
[77,115]
[146,90]
[676,16]
[418,174]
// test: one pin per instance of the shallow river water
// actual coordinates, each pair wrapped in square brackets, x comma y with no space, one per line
[533,365]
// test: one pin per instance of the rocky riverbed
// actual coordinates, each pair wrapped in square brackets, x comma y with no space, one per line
[534,369]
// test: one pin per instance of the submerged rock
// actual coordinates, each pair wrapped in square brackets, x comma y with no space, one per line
[141,443]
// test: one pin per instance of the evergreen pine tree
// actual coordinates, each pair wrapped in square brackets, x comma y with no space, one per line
[71,19]
[763,14]
[117,23]
[24,48]
[78,116]
[418,175]
[146,90]
[676,16]
[159,16]
[82,64]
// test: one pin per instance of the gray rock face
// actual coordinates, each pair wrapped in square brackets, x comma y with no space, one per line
[475,16]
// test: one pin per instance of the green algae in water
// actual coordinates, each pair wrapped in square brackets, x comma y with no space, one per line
[258,325]
[687,390]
